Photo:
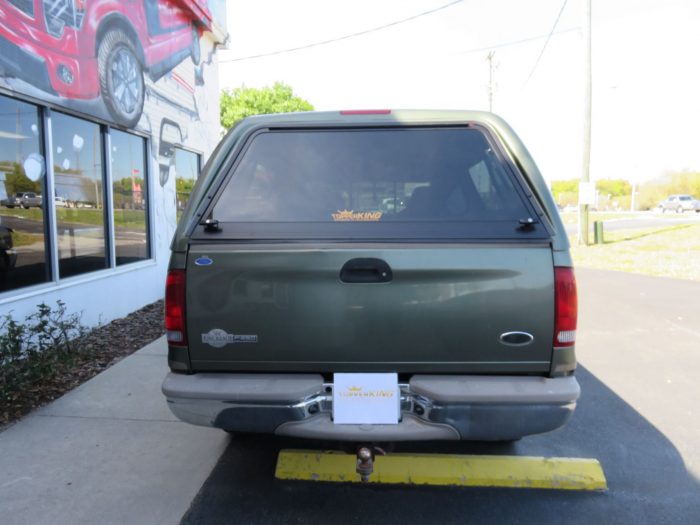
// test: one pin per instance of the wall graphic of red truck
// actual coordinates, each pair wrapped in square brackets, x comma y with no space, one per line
[82,49]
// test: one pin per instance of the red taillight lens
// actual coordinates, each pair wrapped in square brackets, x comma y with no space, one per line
[175,308]
[566,307]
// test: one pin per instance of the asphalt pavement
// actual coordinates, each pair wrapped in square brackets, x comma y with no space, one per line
[110,451]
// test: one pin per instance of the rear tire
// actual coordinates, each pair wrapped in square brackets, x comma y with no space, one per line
[121,78]
[679,209]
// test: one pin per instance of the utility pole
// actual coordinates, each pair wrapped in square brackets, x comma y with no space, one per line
[585,174]
[489,57]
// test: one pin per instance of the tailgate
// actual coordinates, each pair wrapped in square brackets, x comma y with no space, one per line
[444,308]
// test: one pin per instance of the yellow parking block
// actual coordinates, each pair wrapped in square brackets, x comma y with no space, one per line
[446,469]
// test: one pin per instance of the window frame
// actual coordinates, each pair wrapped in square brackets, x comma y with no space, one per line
[53,280]
[198,155]
[421,231]
[147,191]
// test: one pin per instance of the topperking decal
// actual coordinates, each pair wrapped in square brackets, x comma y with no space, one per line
[219,338]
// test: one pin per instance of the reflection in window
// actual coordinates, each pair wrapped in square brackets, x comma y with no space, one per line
[129,197]
[186,171]
[23,254]
[77,154]
[409,175]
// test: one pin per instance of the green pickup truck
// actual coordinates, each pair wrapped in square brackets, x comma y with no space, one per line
[372,276]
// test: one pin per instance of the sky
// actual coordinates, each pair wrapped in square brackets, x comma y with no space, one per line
[646,106]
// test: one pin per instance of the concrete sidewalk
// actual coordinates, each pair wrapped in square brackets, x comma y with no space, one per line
[109,451]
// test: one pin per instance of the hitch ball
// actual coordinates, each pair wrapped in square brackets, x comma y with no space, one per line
[365,463]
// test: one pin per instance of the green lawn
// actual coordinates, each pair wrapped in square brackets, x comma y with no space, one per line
[122,218]
[25,239]
[672,251]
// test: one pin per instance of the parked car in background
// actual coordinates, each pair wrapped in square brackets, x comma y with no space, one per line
[23,200]
[8,202]
[331,264]
[60,202]
[679,204]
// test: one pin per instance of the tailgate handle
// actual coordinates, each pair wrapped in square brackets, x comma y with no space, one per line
[367,270]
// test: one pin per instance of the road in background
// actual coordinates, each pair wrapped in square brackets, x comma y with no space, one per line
[651,220]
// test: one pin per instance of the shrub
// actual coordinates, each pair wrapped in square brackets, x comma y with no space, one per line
[30,351]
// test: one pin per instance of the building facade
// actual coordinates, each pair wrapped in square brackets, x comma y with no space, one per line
[108,109]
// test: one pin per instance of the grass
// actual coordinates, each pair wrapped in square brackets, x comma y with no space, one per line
[26,239]
[669,251]
[87,216]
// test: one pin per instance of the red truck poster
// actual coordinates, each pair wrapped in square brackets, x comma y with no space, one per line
[100,52]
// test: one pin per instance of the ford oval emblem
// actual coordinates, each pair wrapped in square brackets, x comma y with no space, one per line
[516,338]
[203,261]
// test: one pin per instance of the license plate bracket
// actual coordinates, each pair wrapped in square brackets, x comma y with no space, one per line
[366,399]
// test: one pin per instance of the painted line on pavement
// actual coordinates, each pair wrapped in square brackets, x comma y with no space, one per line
[446,469]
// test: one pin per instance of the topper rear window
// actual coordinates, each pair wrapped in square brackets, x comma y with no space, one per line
[397,182]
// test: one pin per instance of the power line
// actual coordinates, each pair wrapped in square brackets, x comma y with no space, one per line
[537,62]
[513,42]
[345,37]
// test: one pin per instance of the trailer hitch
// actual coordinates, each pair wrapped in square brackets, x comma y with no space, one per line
[365,461]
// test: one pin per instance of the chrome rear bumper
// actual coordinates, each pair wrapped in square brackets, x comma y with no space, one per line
[432,407]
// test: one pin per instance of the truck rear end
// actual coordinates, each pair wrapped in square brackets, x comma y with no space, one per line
[382,276]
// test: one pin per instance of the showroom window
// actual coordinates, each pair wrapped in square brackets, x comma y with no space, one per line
[101,215]
[129,203]
[23,246]
[79,181]
[186,172]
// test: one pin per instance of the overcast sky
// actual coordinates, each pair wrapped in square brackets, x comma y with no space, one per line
[646,72]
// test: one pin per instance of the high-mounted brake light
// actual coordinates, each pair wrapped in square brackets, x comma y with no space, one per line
[566,307]
[365,112]
[175,308]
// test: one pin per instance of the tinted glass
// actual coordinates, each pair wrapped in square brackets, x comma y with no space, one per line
[186,171]
[23,255]
[407,175]
[79,180]
[129,197]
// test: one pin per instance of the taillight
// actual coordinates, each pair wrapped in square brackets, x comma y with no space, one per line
[566,307]
[175,308]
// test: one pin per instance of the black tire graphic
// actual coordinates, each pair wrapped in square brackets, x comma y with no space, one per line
[121,78]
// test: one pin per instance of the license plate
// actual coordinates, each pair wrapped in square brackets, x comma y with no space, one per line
[366,399]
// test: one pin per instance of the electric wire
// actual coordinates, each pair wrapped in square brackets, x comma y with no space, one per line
[546,42]
[513,42]
[344,37]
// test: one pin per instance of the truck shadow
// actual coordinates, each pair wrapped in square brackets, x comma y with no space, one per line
[647,479]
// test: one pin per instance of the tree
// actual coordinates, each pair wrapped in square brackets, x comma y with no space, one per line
[654,191]
[238,103]
[565,192]
[614,187]
[17,181]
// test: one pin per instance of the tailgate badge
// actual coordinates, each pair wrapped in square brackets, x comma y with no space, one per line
[516,338]
[219,338]
[203,261]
